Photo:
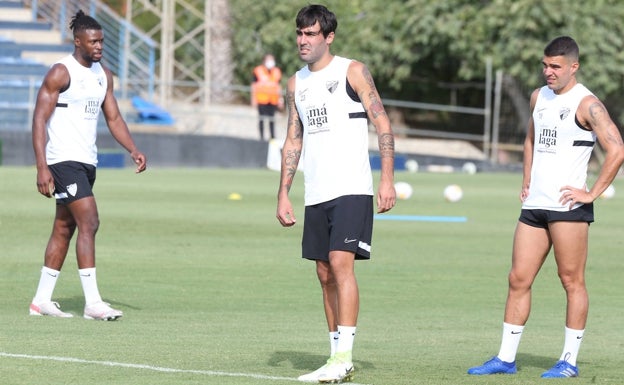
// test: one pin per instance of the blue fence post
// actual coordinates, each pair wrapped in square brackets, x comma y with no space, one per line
[121,60]
[34,10]
[61,21]
[152,68]
[92,8]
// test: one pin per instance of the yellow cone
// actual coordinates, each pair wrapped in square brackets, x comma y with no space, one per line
[235,196]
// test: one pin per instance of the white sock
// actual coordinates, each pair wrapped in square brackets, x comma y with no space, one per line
[333,343]
[47,282]
[573,339]
[346,335]
[89,285]
[510,342]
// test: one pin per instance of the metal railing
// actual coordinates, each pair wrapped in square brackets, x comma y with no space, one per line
[128,52]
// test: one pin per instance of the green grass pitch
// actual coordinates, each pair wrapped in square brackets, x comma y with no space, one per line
[214,291]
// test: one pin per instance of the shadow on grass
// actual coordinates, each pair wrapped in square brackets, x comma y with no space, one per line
[525,360]
[76,304]
[307,362]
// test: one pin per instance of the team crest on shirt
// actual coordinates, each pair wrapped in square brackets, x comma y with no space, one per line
[564,112]
[331,85]
[72,189]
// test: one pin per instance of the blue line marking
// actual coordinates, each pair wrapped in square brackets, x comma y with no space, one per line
[420,218]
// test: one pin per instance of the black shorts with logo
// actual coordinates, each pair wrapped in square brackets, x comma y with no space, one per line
[541,218]
[344,223]
[72,181]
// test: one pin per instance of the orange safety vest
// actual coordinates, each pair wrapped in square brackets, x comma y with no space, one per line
[267,86]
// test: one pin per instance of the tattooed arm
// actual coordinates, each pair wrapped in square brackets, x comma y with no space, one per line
[362,82]
[291,152]
[593,115]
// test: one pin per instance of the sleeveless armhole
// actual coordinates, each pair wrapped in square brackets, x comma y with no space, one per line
[351,92]
[66,86]
[578,123]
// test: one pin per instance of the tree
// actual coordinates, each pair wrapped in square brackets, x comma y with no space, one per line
[411,46]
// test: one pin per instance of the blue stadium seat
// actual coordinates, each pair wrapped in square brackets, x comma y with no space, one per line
[150,113]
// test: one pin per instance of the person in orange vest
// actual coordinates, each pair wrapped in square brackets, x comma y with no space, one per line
[266,93]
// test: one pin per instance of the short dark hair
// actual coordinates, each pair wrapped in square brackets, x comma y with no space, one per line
[309,15]
[81,22]
[562,46]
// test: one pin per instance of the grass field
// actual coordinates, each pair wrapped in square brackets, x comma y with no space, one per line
[214,291]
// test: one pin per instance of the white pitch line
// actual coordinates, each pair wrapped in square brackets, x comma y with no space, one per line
[150,367]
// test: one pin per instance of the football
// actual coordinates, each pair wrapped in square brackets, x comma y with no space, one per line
[411,165]
[608,193]
[453,193]
[403,190]
[469,168]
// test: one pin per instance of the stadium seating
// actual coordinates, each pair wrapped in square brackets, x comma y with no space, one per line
[27,48]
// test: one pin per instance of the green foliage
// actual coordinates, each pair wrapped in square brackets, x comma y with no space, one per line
[514,34]
[258,28]
[411,45]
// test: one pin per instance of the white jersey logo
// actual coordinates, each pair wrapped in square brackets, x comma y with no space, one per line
[564,112]
[331,85]
[72,189]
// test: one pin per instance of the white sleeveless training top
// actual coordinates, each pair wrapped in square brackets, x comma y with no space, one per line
[335,134]
[561,149]
[72,127]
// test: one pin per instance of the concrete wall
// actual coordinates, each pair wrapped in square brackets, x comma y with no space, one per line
[186,150]
[162,150]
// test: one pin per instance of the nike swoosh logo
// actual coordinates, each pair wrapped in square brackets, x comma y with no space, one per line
[349,240]
[579,337]
[85,275]
[515,332]
[52,275]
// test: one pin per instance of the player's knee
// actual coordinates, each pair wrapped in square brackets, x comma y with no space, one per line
[572,282]
[90,226]
[324,274]
[519,281]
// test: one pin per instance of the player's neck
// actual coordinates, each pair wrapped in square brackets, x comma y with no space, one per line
[322,63]
[567,87]
[82,61]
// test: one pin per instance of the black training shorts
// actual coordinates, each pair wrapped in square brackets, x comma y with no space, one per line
[72,181]
[344,223]
[541,218]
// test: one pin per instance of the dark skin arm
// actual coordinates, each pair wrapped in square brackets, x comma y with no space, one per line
[56,80]
[118,127]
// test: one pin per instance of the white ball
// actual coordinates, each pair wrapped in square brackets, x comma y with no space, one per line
[453,193]
[411,165]
[403,190]
[608,193]
[469,168]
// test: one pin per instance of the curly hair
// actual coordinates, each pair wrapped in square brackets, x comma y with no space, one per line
[81,22]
